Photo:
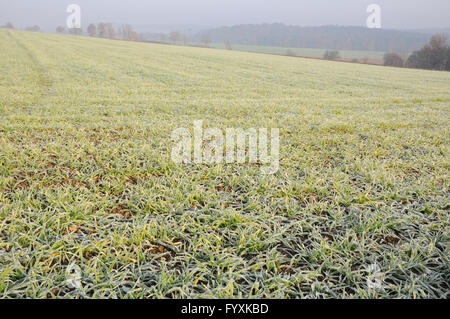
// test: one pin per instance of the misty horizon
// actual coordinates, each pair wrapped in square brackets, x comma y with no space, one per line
[202,14]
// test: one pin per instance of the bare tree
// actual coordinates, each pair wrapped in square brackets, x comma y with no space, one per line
[122,32]
[175,36]
[228,45]
[126,32]
[206,39]
[92,30]
[60,29]
[135,37]
[110,31]
[9,25]
[101,29]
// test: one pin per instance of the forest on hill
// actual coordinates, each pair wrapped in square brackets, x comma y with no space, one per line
[324,37]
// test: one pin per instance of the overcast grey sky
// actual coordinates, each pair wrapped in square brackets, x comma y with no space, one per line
[399,14]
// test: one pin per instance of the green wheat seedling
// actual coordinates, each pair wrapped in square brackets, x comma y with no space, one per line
[92,206]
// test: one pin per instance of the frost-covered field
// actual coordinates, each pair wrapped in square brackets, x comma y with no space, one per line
[91,204]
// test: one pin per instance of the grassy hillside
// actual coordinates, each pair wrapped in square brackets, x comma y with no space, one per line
[86,177]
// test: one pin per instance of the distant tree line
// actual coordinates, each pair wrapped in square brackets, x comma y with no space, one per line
[177,37]
[105,30]
[325,37]
[100,30]
[10,25]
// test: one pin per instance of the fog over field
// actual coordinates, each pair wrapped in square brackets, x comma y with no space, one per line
[400,14]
